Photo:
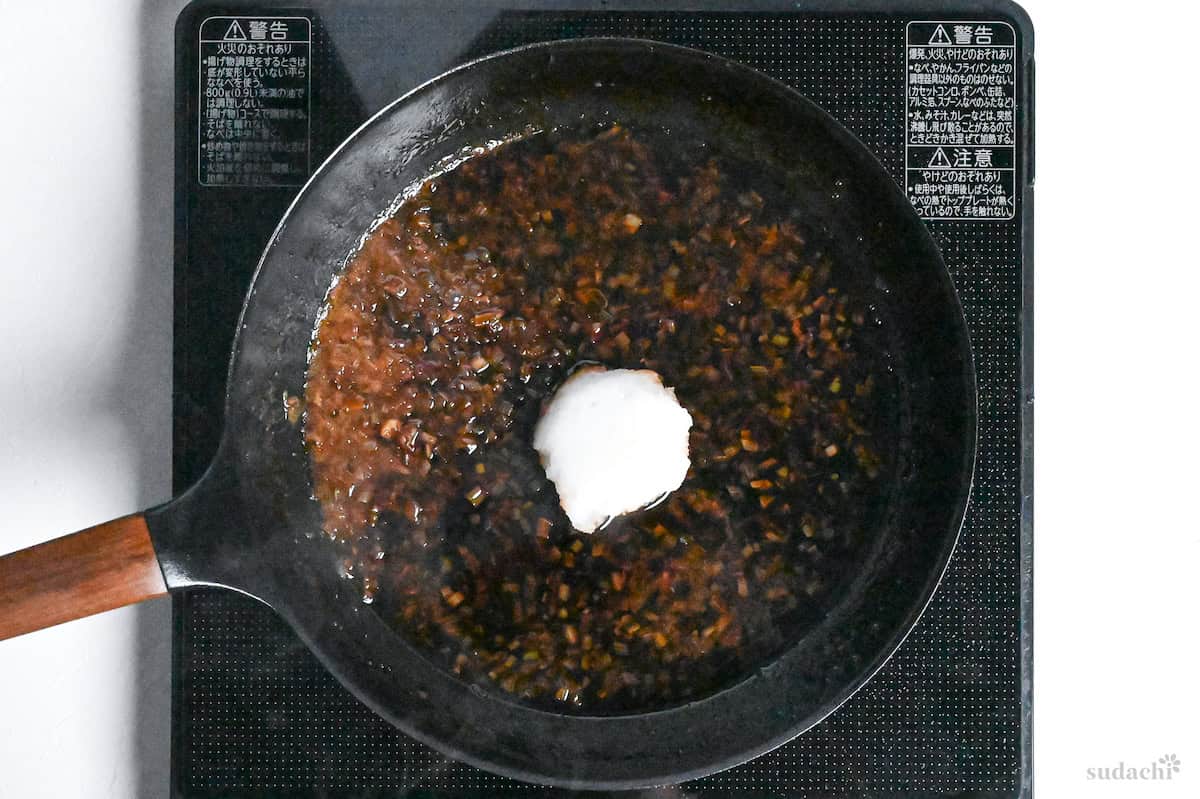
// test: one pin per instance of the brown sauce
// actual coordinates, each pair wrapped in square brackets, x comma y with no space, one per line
[459,317]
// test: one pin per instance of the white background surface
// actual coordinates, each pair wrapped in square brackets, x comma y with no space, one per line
[85,270]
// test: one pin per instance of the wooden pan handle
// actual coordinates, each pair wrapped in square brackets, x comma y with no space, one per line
[97,569]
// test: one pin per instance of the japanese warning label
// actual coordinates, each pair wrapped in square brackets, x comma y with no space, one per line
[961,128]
[254,101]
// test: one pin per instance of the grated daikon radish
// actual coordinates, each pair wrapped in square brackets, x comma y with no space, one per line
[612,442]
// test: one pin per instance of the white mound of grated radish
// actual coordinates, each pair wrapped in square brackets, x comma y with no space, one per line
[612,442]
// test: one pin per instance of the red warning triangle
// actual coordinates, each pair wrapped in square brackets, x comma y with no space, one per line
[940,36]
[235,33]
[940,160]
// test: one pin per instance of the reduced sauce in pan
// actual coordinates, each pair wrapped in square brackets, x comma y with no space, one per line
[465,310]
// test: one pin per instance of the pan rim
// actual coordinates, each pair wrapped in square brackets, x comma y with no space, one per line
[910,618]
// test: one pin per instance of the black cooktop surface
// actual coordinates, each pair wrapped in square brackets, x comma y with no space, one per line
[254,714]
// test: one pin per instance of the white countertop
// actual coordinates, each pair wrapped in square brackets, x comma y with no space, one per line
[85,375]
[85,320]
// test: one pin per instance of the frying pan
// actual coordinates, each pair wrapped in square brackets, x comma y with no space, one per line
[248,524]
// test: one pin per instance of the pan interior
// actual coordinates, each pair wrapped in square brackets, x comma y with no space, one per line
[624,246]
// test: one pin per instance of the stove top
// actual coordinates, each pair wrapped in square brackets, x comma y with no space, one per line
[266,92]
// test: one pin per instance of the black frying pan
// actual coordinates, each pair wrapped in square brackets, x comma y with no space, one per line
[247,524]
